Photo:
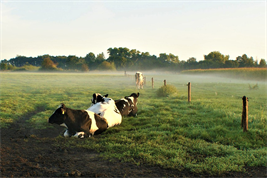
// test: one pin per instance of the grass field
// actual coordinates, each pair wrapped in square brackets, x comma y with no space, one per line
[202,136]
[240,73]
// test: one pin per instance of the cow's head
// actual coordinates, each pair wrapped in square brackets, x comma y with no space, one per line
[58,117]
[133,97]
[97,97]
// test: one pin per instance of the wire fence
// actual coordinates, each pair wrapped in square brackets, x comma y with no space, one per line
[216,91]
[212,90]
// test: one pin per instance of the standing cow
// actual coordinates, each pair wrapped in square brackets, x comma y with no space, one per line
[139,80]
[79,123]
[106,108]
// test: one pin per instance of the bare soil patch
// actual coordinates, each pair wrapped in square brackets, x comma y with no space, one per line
[27,152]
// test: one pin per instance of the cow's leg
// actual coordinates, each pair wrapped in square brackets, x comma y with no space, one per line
[66,133]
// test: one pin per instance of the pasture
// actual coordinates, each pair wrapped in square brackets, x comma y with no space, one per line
[203,137]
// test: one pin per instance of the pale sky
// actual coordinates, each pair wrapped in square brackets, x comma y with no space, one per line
[183,28]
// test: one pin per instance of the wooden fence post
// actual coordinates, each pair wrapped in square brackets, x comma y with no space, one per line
[244,122]
[189,92]
[164,82]
[152,82]
[144,81]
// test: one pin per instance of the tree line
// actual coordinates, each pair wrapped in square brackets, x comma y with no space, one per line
[126,59]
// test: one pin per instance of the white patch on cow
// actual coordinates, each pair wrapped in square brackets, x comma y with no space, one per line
[131,98]
[93,125]
[63,125]
[79,135]
[108,110]
[125,100]
[66,133]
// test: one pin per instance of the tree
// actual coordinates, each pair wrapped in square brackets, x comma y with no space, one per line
[244,61]
[231,64]
[85,67]
[3,65]
[89,58]
[262,63]
[72,62]
[119,56]
[216,57]
[48,64]
[100,57]
[107,66]
[192,60]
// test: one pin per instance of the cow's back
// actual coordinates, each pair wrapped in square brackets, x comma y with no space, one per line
[109,111]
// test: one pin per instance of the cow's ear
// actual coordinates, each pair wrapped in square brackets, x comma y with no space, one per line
[106,95]
[94,97]
[138,94]
[63,105]
[63,110]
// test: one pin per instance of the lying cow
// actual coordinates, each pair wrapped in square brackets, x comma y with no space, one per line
[107,109]
[97,97]
[139,80]
[79,123]
[128,105]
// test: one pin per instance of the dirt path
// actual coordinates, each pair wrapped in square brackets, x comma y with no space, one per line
[27,152]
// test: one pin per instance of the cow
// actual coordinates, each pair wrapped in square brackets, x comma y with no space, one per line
[97,97]
[107,109]
[79,123]
[128,105]
[139,80]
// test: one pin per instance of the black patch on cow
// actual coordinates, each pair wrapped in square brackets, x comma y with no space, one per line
[101,124]
[98,98]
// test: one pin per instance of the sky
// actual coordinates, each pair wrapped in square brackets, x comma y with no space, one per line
[191,28]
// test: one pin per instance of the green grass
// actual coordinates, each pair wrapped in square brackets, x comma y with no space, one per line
[203,136]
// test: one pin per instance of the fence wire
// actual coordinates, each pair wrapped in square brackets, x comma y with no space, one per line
[213,91]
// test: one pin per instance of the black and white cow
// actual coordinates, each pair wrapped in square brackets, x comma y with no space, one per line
[128,105]
[97,97]
[107,109]
[139,80]
[79,123]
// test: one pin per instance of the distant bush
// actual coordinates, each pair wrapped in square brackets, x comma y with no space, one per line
[26,67]
[6,66]
[166,90]
[107,66]
[48,64]
[85,68]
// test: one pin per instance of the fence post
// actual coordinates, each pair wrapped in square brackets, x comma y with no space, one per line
[152,82]
[144,81]
[164,82]
[244,122]
[189,92]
